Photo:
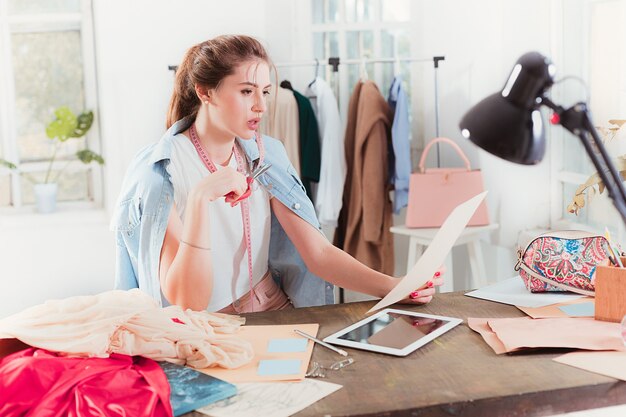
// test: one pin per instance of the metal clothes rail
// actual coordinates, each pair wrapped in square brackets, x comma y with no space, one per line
[334,62]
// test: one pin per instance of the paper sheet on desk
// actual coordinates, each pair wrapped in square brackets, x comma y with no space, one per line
[271,399]
[611,364]
[435,254]
[556,310]
[512,334]
[512,291]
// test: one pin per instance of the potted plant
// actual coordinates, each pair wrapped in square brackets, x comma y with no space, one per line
[594,185]
[64,127]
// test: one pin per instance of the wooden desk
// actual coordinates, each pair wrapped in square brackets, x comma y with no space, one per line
[456,375]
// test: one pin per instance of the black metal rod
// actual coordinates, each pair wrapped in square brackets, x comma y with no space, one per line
[618,180]
[613,185]
[576,119]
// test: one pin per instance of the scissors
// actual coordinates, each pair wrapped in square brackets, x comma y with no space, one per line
[249,179]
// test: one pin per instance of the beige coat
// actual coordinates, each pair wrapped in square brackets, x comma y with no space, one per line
[365,218]
[282,122]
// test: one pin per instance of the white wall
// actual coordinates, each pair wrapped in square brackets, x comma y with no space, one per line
[66,254]
[135,43]
[481,40]
[53,256]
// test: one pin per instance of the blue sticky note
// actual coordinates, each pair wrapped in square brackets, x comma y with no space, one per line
[269,367]
[579,310]
[287,345]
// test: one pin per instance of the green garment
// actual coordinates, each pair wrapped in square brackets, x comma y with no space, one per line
[310,153]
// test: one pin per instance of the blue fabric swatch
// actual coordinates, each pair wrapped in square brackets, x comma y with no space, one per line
[579,310]
[287,345]
[270,367]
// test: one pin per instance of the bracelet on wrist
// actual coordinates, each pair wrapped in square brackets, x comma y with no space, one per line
[194,246]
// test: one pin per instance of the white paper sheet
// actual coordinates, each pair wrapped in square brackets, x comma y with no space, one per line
[435,254]
[271,399]
[612,364]
[512,291]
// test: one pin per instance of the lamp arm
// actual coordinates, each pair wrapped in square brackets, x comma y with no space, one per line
[607,172]
[619,181]
[576,119]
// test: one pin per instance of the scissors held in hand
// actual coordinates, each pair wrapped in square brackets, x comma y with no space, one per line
[230,197]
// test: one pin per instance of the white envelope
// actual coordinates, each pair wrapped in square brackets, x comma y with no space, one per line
[512,291]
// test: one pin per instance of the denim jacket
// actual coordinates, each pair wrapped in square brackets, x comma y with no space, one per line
[147,195]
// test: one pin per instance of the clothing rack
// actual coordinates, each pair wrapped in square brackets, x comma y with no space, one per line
[334,62]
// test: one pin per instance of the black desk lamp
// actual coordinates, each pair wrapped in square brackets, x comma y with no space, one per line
[509,125]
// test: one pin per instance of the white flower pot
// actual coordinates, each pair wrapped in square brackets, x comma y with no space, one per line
[46,197]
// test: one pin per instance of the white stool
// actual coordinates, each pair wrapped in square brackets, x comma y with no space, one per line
[421,238]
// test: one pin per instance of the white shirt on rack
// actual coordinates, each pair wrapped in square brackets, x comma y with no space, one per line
[230,261]
[333,167]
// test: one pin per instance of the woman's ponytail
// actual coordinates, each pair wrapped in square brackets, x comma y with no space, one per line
[184,101]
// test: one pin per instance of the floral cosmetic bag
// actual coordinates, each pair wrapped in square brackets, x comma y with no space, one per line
[562,261]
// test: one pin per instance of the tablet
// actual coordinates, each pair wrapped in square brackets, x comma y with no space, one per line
[395,332]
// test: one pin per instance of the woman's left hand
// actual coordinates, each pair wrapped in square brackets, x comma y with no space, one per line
[425,293]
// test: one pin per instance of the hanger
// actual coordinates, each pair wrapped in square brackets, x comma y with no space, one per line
[286,84]
[317,68]
[363,69]
[396,67]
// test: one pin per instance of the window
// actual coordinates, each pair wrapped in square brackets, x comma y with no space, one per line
[356,29]
[601,63]
[46,61]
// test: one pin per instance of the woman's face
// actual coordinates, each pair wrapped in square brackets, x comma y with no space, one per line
[239,102]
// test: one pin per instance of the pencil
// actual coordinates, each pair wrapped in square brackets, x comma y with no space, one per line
[326,345]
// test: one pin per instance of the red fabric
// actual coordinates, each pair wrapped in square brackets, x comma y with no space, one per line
[35,382]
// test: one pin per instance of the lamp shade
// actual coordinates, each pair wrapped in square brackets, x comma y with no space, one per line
[508,124]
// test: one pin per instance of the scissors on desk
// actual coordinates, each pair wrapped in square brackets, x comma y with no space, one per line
[249,179]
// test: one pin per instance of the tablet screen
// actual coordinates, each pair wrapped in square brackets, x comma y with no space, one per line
[393,330]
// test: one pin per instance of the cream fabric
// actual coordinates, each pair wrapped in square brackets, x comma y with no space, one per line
[130,323]
[281,121]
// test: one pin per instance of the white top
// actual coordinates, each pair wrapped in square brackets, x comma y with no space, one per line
[229,257]
[333,166]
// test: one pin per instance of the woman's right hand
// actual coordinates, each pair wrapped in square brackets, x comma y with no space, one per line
[219,184]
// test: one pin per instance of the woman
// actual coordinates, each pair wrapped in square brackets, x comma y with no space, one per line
[189,232]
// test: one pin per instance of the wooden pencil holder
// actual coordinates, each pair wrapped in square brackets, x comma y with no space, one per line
[610,285]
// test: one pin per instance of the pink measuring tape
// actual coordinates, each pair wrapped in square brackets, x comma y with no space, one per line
[244,204]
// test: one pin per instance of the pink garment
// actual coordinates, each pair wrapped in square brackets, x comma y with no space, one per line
[267,297]
[131,323]
[37,383]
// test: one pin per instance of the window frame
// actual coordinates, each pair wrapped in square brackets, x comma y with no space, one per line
[40,23]
[341,28]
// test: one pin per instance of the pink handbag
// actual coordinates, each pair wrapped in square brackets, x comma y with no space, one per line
[435,192]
